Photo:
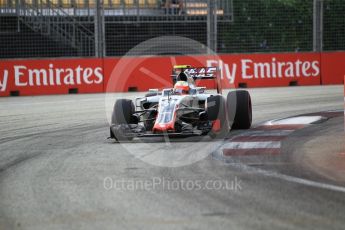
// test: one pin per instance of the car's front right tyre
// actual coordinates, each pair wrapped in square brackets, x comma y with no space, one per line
[121,119]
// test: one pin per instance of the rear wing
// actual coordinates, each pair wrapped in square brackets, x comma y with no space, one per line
[199,73]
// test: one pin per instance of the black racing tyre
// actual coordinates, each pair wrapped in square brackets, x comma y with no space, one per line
[216,110]
[214,107]
[112,134]
[118,134]
[239,106]
[121,117]
[123,112]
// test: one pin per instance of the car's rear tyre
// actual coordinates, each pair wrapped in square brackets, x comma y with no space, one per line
[239,106]
[122,117]
[216,112]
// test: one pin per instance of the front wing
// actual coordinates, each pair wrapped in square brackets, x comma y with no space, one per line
[131,131]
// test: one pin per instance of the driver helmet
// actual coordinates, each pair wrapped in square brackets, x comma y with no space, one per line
[181,87]
[182,77]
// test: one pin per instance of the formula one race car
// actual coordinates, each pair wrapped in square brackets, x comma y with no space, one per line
[184,110]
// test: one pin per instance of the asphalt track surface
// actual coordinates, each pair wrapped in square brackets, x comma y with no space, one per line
[58,170]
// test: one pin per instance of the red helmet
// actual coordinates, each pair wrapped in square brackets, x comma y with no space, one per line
[181,87]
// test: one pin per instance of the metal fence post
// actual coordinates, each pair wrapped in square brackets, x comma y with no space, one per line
[318,25]
[99,30]
[103,29]
[96,22]
[212,25]
[18,15]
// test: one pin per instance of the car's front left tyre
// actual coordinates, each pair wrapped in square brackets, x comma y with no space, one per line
[239,106]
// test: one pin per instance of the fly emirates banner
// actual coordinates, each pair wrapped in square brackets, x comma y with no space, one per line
[59,76]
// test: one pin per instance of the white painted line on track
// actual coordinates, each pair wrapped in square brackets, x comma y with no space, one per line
[335,110]
[252,145]
[264,133]
[291,179]
[277,175]
[300,120]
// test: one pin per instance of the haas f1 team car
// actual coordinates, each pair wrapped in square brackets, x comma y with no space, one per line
[184,110]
